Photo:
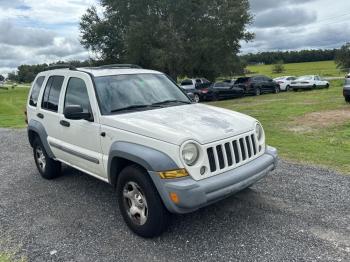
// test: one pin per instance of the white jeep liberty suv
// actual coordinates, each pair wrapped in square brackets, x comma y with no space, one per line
[137,130]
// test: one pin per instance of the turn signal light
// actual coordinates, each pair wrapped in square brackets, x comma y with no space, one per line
[173,174]
[174,197]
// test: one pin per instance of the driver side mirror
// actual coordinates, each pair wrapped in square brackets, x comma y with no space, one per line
[76,112]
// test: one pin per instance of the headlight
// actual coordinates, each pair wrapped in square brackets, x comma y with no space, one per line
[259,132]
[190,154]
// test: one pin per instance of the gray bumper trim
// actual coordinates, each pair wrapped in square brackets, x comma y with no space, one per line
[196,194]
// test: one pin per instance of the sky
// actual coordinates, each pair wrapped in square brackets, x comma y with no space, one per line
[44,31]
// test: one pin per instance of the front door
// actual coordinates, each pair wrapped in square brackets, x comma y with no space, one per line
[79,140]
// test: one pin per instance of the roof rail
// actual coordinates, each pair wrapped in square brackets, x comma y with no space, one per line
[60,66]
[120,66]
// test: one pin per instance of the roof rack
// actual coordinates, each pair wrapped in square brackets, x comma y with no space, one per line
[60,66]
[120,66]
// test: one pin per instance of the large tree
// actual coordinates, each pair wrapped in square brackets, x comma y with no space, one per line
[342,58]
[179,37]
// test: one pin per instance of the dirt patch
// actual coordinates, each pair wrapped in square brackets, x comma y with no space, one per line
[323,119]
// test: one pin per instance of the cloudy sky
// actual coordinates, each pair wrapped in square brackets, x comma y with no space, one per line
[33,31]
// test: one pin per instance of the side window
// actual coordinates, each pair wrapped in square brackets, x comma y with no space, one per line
[76,94]
[52,93]
[33,100]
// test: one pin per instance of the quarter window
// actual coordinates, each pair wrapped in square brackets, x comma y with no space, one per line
[33,100]
[77,94]
[52,93]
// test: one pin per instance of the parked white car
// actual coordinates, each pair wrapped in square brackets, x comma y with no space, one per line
[285,82]
[189,84]
[309,82]
[136,130]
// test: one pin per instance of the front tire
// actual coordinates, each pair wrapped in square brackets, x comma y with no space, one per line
[287,88]
[47,167]
[140,204]
[196,98]
[257,92]
[277,90]
[347,99]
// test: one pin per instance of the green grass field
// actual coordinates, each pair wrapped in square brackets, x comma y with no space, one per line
[323,68]
[12,106]
[282,116]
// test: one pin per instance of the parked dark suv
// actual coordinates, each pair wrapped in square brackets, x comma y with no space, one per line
[257,85]
[346,90]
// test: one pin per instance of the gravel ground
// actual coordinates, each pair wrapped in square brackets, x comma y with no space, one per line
[298,213]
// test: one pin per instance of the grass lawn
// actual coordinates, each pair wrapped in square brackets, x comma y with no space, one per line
[12,106]
[322,68]
[297,137]
[289,125]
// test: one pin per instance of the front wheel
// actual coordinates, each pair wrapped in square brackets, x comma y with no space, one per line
[257,92]
[277,90]
[327,86]
[287,88]
[47,167]
[347,99]
[196,98]
[140,203]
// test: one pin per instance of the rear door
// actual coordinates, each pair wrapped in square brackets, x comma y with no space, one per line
[47,111]
[79,140]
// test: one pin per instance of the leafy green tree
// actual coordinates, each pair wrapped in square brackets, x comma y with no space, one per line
[182,37]
[342,58]
[2,78]
[278,67]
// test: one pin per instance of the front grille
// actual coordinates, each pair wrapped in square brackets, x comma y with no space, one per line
[232,153]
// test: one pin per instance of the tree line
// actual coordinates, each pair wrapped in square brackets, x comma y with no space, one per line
[290,56]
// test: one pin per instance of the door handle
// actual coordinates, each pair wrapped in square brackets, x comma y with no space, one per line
[40,115]
[65,123]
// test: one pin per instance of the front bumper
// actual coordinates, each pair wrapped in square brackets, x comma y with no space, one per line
[196,194]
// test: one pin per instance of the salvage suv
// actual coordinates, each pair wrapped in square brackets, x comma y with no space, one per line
[137,130]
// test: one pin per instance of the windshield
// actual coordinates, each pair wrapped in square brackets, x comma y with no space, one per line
[139,91]
[305,78]
[242,80]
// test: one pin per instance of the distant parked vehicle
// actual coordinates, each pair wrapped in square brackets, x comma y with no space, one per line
[223,90]
[196,88]
[346,90]
[309,82]
[193,83]
[285,82]
[257,85]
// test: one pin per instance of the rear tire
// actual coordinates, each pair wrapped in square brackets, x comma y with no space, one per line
[314,87]
[47,167]
[277,90]
[140,204]
[347,99]
[327,86]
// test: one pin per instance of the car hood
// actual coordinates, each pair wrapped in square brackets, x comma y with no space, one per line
[178,124]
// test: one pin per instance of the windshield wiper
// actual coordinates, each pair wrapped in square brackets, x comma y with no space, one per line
[131,108]
[170,101]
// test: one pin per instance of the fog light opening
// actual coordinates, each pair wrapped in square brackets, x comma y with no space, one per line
[203,170]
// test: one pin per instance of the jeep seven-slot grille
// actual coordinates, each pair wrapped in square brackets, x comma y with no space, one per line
[232,153]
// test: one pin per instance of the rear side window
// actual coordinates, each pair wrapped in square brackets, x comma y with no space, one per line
[33,100]
[52,93]
[186,82]
[76,94]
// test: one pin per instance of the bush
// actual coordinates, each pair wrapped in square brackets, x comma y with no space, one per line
[278,67]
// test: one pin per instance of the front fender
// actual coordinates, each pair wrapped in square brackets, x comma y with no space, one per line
[149,158]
